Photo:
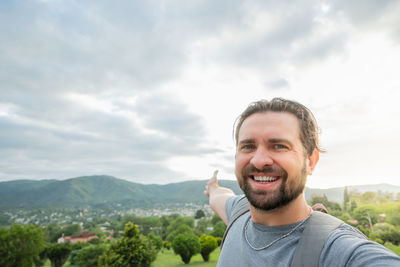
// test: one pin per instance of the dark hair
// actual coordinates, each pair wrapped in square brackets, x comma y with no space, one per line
[307,124]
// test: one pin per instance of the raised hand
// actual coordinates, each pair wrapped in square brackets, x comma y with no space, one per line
[211,184]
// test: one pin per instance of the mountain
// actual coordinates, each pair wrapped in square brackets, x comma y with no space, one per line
[100,189]
[21,185]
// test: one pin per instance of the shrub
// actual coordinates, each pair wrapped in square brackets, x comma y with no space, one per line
[186,246]
[89,256]
[157,241]
[133,249]
[208,244]
[167,245]
[58,254]
[219,229]
[20,244]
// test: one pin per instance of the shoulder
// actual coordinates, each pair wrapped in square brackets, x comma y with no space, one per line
[346,246]
[234,203]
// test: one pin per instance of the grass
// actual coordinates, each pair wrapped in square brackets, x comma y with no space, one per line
[167,258]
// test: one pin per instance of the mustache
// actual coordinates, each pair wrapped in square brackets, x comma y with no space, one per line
[266,170]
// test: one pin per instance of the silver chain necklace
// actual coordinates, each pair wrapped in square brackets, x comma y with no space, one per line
[276,240]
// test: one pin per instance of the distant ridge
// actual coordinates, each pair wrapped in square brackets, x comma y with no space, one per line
[100,189]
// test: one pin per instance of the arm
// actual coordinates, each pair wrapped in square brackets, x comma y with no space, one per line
[218,196]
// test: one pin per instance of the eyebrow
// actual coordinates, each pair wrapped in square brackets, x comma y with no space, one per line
[271,140]
[247,141]
[280,140]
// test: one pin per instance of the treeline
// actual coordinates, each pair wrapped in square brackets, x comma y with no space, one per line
[376,214]
[136,241]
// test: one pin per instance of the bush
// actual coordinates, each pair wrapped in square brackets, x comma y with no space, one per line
[215,219]
[89,256]
[391,235]
[199,214]
[208,244]
[40,259]
[219,229]
[20,244]
[176,227]
[367,215]
[167,245]
[186,246]
[219,240]
[157,241]
[180,229]
[133,249]
[58,254]
[73,257]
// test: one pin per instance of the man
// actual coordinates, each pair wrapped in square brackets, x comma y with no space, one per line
[276,149]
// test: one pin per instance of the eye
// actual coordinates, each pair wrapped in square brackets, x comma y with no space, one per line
[280,146]
[247,147]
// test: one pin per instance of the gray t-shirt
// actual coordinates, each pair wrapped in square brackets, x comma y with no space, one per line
[345,246]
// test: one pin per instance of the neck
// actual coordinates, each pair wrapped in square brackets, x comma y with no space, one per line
[295,211]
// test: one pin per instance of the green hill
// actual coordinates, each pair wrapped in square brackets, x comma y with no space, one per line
[101,189]
[98,189]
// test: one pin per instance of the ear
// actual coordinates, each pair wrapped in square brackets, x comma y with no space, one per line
[312,161]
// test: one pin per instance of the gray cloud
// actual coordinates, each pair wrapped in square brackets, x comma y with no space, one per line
[361,11]
[278,84]
[52,49]
[54,137]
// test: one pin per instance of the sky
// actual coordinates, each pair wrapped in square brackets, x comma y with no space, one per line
[148,91]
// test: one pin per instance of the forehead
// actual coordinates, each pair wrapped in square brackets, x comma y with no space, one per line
[272,124]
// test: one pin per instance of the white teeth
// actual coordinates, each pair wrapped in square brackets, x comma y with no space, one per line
[265,179]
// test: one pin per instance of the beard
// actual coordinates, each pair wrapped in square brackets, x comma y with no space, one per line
[288,191]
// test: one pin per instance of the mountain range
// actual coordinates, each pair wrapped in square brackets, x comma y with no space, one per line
[100,189]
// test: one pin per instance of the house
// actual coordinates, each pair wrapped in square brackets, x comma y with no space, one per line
[83,237]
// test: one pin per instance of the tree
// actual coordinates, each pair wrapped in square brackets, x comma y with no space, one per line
[391,235]
[368,197]
[219,229]
[215,219]
[58,254]
[174,224]
[133,249]
[330,205]
[199,214]
[208,244]
[20,244]
[150,224]
[52,232]
[157,241]
[181,229]
[202,226]
[72,229]
[40,259]
[353,205]
[346,198]
[186,246]
[89,255]
[367,215]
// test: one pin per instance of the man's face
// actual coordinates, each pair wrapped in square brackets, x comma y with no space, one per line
[271,162]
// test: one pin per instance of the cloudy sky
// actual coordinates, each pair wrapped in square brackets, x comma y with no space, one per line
[148,91]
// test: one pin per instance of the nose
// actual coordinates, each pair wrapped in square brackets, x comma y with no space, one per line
[261,158]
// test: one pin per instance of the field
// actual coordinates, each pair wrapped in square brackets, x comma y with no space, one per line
[167,258]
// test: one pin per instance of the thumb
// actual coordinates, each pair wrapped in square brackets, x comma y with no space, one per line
[214,177]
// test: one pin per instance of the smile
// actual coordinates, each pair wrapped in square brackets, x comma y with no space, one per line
[264,179]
